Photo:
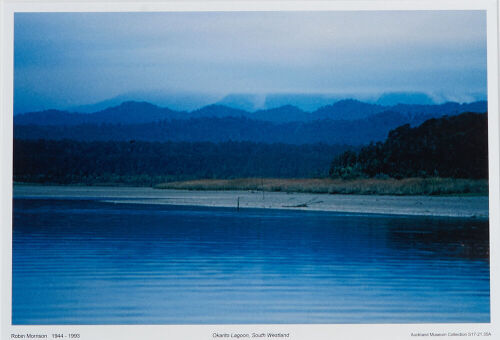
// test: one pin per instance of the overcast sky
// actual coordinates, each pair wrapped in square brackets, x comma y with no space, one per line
[65,59]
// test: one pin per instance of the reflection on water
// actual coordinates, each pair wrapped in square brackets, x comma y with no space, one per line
[89,262]
[467,239]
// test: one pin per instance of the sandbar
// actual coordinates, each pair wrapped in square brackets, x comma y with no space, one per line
[446,206]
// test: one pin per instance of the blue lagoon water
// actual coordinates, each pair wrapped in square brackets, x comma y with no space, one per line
[91,262]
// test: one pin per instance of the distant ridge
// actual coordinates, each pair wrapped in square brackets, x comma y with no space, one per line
[178,100]
[218,111]
[224,129]
[349,109]
[129,112]
[133,112]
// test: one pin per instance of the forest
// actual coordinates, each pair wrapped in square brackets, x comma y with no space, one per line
[448,147]
[452,147]
[148,163]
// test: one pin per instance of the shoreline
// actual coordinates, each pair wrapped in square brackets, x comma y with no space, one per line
[414,186]
[438,206]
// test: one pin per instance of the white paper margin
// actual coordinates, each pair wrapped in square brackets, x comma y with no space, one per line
[200,332]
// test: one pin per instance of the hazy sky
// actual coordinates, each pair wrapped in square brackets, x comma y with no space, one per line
[65,59]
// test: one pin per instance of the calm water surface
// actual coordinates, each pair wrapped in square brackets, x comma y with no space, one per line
[90,262]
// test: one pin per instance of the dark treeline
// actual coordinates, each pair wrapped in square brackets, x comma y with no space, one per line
[148,163]
[455,147]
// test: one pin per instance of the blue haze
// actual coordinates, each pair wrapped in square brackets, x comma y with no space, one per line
[65,60]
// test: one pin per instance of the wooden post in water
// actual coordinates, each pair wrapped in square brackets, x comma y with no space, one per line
[262,185]
[238,204]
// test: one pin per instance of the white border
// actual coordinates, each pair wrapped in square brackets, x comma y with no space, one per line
[335,331]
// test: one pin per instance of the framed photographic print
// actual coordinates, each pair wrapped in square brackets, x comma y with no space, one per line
[250,170]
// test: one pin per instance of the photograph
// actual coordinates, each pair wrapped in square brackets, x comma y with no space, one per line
[251,167]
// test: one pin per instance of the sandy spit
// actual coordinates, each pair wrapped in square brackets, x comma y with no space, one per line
[452,206]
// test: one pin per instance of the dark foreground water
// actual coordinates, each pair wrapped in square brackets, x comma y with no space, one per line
[90,262]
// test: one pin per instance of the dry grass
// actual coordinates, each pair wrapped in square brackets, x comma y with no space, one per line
[408,186]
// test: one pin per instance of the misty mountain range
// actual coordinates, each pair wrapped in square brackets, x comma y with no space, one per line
[189,101]
[344,122]
[131,112]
